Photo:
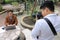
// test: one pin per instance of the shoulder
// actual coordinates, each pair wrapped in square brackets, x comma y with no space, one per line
[40,21]
[15,16]
[58,18]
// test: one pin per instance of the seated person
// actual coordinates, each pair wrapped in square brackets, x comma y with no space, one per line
[11,19]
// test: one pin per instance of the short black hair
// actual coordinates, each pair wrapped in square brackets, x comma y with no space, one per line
[9,10]
[49,5]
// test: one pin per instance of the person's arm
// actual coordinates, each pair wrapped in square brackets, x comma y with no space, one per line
[36,32]
[16,20]
[6,21]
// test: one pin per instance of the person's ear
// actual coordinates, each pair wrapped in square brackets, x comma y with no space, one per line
[47,9]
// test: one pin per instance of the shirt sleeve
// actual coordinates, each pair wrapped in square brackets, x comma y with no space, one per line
[36,32]
[6,20]
[16,21]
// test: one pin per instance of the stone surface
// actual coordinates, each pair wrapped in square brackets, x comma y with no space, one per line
[27,34]
[10,34]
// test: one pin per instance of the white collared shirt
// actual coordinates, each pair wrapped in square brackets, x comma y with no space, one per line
[43,30]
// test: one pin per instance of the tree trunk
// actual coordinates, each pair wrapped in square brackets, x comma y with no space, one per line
[59,0]
[35,4]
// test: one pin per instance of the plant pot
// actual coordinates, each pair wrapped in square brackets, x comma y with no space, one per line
[27,22]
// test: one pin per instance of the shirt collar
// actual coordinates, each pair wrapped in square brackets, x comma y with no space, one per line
[53,14]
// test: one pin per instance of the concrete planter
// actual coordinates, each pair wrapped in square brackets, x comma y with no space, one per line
[27,22]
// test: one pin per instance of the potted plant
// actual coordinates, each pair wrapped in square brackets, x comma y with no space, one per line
[28,20]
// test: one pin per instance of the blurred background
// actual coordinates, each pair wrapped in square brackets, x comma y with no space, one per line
[27,11]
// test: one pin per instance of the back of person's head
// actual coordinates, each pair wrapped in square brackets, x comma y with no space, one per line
[48,4]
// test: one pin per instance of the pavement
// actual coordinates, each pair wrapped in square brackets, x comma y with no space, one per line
[10,34]
[2,19]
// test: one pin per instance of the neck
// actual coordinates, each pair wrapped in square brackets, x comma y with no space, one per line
[50,12]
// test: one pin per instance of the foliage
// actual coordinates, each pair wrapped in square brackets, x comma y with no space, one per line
[15,3]
[0,7]
[10,1]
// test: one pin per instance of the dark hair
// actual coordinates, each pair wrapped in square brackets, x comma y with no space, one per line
[48,4]
[9,10]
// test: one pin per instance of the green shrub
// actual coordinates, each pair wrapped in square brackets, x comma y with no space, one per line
[0,7]
[8,1]
[15,3]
